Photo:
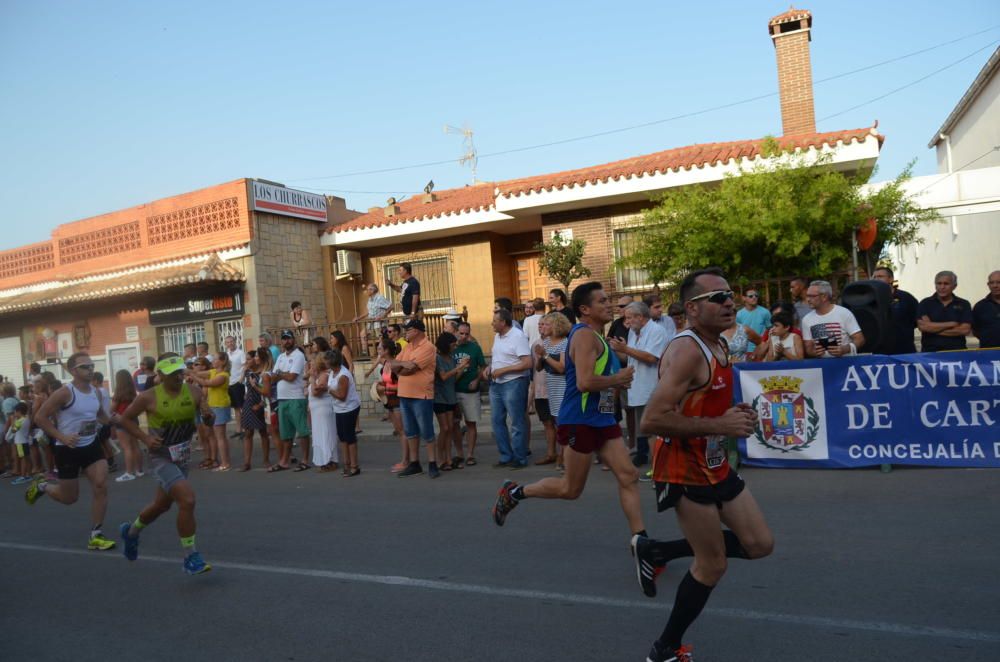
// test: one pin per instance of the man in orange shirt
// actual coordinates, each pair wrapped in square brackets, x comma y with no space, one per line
[415,367]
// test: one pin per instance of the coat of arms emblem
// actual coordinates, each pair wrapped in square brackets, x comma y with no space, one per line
[788,419]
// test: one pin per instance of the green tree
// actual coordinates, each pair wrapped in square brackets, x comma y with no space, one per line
[787,214]
[562,259]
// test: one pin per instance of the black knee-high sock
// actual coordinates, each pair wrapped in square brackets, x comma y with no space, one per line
[666,551]
[691,598]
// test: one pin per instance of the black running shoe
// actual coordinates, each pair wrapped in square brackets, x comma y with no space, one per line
[645,570]
[505,502]
[660,653]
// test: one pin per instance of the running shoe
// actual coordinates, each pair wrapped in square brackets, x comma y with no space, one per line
[100,543]
[195,565]
[505,502]
[411,470]
[21,480]
[124,478]
[130,545]
[34,492]
[646,476]
[645,570]
[660,653]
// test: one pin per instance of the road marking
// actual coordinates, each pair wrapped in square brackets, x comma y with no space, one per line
[882,627]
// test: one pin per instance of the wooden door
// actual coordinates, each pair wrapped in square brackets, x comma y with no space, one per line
[531,282]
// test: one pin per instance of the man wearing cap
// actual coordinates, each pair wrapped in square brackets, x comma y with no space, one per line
[170,407]
[415,367]
[293,416]
[70,418]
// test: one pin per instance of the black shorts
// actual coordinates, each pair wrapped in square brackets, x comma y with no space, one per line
[345,426]
[441,408]
[103,434]
[391,402]
[237,392]
[70,461]
[542,410]
[668,494]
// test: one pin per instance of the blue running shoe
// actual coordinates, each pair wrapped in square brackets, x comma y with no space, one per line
[130,545]
[195,565]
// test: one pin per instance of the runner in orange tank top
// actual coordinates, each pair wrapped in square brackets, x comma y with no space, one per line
[692,411]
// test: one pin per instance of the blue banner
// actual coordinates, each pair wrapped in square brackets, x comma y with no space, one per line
[939,410]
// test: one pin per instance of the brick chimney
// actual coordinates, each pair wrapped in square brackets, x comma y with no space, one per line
[791,33]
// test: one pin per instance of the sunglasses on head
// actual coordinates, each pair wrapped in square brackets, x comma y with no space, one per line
[715,296]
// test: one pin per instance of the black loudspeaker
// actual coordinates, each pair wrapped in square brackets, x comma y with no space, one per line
[871,303]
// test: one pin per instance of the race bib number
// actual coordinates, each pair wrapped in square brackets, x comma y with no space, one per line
[715,452]
[87,429]
[180,453]
[606,405]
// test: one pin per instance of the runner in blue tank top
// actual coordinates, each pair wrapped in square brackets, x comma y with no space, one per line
[586,419]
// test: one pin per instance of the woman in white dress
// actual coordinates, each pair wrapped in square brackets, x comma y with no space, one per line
[324,426]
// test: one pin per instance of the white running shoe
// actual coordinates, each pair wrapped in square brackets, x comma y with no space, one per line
[124,478]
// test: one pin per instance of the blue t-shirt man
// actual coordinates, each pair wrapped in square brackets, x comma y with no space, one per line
[756,317]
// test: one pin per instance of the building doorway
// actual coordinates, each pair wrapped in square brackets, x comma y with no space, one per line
[531,282]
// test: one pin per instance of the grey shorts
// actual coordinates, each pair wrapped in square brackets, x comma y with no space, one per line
[167,473]
[471,406]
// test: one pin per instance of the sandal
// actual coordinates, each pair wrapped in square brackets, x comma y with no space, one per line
[328,468]
[206,464]
[457,462]
[275,468]
[470,461]
[353,472]
[548,459]
[246,467]
[221,468]
[303,467]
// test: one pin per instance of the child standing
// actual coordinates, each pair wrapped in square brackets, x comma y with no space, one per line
[22,444]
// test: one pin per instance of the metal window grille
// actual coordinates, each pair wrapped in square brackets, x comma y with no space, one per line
[626,242]
[173,338]
[435,282]
[232,328]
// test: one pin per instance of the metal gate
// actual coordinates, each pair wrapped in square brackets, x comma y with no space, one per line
[173,338]
[232,328]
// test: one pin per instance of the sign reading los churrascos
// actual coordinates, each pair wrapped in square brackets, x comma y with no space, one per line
[196,308]
[929,409]
[288,202]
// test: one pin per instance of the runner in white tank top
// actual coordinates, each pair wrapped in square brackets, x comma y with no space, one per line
[77,408]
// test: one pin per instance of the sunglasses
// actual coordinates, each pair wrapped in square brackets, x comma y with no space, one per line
[715,296]
[85,366]
[750,296]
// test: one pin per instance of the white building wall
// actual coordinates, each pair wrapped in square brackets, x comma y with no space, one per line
[966,242]
[977,131]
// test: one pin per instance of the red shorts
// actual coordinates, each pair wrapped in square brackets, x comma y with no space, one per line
[585,438]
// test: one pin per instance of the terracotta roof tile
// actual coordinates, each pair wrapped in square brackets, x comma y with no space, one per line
[446,202]
[681,158]
[792,14]
[481,196]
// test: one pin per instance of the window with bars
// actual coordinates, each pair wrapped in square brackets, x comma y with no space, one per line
[434,275]
[173,338]
[232,328]
[626,241]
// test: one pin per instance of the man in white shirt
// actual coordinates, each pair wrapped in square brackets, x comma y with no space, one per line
[293,417]
[655,303]
[646,342]
[509,373]
[378,308]
[237,360]
[829,330]
[534,310]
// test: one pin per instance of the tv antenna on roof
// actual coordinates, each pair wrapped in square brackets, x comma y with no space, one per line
[470,156]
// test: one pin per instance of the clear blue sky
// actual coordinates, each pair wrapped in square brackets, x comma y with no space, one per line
[112,104]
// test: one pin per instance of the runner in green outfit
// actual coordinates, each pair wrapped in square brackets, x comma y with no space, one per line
[170,408]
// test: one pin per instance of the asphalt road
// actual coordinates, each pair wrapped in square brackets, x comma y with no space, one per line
[867,566]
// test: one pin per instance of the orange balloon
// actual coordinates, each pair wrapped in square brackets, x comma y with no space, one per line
[866,234]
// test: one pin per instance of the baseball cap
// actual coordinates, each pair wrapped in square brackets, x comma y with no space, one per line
[415,324]
[452,314]
[287,333]
[170,365]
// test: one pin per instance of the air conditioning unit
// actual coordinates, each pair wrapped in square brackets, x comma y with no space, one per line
[348,263]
